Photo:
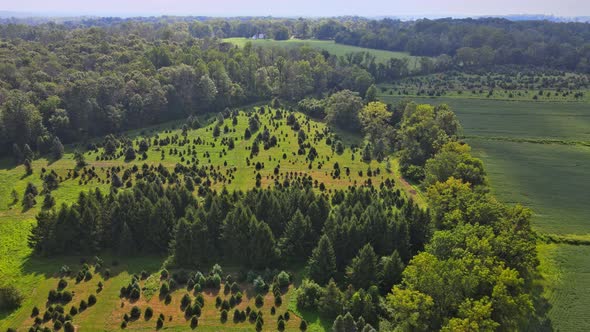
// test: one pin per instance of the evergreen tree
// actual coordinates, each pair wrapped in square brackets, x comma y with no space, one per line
[126,241]
[367,153]
[390,273]
[161,225]
[322,263]
[129,153]
[330,304]
[28,153]
[344,323]
[362,271]
[297,240]
[57,149]
[79,158]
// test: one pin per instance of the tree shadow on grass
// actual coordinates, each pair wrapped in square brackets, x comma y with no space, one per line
[539,321]
[50,267]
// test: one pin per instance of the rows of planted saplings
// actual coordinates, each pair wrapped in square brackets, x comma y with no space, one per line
[233,294]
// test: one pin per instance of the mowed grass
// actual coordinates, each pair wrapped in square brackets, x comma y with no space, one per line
[565,272]
[35,276]
[328,45]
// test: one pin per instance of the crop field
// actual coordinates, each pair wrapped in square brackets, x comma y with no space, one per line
[565,271]
[535,153]
[328,45]
[234,168]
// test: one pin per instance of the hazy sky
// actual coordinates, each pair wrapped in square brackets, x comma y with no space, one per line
[301,7]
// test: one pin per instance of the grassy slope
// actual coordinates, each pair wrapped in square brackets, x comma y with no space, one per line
[36,276]
[552,179]
[328,45]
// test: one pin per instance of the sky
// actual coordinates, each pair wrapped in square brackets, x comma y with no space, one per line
[306,8]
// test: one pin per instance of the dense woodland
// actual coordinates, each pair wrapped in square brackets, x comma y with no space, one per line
[373,258]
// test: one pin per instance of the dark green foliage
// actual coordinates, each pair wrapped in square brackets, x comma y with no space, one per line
[68,326]
[331,302]
[344,323]
[149,313]
[185,301]
[362,271]
[129,153]
[322,263]
[390,271]
[259,301]
[57,149]
[298,237]
[160,323]
[303,325]
[10,297]
[79,158]
[135,313]
[164,289]
[91,300]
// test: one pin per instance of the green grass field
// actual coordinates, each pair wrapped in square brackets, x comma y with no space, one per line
[328,45]
[565,272]
[35,276]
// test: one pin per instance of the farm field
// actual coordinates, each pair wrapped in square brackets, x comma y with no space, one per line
[328,45]
[37,275]
[546,177]
[565,270]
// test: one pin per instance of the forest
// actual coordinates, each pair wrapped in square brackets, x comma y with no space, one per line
[267,188]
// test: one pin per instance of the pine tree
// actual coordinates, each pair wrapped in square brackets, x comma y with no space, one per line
[390,273]
[362,271]
[330,304]
[344,323]
[57,149]
[28,167]
[28,153]
[79,158]
[126,243]
[367,153]
[322,263]
[130,154]
[161,225]
[297,238]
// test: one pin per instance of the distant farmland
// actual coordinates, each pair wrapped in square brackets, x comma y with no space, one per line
[328,45]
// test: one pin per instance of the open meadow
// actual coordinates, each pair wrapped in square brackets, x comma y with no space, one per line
[328,45]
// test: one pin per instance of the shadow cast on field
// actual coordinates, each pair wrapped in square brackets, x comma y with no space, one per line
[540,320]
[49,267]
